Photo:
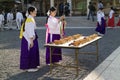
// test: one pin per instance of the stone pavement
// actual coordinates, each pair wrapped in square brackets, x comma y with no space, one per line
[10,53]
[109,69]
[78,21]
[9,68]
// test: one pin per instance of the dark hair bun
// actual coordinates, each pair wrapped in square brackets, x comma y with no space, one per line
[52,9]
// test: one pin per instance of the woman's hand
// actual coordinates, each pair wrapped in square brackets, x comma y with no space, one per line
[31,44]
[62,18]
[65,23]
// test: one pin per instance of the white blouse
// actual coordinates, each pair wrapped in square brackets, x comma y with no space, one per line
[54,25]
[19,16]
[29,29]
[9,16]
[1,18]
[100,14]
[111,13]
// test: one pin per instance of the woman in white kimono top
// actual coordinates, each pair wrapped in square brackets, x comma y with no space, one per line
[19,19]
[111,20]
[29,59]
[10,18]
[53,27]
[101,23]
[1,19]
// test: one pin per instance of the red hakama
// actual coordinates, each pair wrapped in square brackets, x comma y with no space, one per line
[118,24]
[111,22]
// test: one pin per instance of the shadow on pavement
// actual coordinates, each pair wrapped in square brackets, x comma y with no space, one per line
[48,78]
[30,76]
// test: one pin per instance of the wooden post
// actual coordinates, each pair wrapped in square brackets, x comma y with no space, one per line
[22,2]
[87,6]
[51,3]
[114,3]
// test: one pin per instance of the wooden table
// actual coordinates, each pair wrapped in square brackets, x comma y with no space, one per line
[76,48]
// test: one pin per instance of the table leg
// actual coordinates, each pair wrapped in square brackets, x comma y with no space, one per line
[76,60]
[50,59]
[97,51]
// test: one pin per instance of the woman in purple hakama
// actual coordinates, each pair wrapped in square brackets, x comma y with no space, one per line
[101,23]
[55,58]
[29,58]
[53,33]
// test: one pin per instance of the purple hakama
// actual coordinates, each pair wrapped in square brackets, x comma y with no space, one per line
[101,27]
[55,58]
[29,58]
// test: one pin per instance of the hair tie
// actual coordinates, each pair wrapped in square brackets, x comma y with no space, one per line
[26,14]
[48,13]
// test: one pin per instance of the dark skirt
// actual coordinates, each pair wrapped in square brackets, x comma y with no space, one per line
[29,58]
[55,58]
[101,27]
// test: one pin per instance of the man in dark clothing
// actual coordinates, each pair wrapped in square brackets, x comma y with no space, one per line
[61,9]
[67,10]
[91,11]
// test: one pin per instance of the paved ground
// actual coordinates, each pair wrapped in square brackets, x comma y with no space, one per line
[10,53]
[72,21]
[109,69]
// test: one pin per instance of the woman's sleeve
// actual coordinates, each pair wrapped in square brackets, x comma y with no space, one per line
[52,23]
[29,28]
[99,18]
[3,18]
[111,14]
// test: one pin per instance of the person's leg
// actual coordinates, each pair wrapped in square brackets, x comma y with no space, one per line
[11,22]
[0,26]
[92,15]
[88,15]
[17,24]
